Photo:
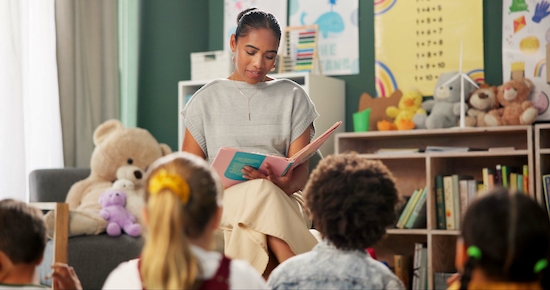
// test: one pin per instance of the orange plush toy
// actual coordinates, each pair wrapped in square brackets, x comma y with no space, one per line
[516,108]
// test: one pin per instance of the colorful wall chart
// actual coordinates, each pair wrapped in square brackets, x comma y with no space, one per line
[417,40]
[525,33]
[232,8]
[337,20]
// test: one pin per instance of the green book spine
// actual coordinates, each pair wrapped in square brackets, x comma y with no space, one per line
[416,212]
[440,203]
[408,209]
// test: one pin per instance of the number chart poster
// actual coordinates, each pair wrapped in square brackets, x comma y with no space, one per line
[417,40]
[525,33]
[232,8]
[337,21]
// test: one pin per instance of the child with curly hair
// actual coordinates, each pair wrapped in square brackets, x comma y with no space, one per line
[504,244]
[352,200]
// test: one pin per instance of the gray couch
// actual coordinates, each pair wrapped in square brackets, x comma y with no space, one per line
[93,257]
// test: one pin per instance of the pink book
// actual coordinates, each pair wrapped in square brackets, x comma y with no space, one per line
[230,161]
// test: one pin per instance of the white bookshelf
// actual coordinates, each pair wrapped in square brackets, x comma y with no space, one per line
[327,93]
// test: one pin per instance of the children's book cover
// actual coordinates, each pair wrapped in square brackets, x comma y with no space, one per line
[229,162]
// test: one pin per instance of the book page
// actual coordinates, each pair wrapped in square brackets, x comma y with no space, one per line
[309,150]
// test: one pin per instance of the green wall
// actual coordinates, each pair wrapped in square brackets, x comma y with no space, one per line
[171,29]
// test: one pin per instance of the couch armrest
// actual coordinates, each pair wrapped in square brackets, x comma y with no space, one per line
[61,228]
[52,185]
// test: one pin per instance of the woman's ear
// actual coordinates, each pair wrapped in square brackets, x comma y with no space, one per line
[461,256]
[145,215]
[233,42]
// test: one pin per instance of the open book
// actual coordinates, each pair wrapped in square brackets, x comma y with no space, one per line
[229,162]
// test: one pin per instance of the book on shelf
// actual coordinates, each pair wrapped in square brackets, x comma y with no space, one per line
[546,191]
[420,267]
[417,219]
[460,198]
[403,266]
[408,209]
[229,162]
[397,150]
[488,175]
[439,203]
[525,178]
[446,149]
[449,202]
[520,182]
[473,188]
[513,180]
[498,175]
[505,176]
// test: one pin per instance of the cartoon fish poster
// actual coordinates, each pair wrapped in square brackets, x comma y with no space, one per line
[525,33]
[337,21]
[416,41]
[232,8]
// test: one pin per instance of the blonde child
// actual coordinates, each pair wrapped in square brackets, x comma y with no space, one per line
[22,243]
[182,212]
[504,244]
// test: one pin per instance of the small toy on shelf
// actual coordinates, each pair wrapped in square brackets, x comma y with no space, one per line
[516,109]
[481,101]
[408,106]
[444,109]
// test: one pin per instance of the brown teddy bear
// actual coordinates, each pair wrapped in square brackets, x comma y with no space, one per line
[119,153]
[481,101]
[516,108]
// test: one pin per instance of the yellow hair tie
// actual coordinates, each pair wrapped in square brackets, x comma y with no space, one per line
[164,180]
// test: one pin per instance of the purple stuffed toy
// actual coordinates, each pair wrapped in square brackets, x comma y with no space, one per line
[115,213]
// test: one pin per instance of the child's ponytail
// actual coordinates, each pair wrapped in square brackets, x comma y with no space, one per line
[474,254]
[167,261]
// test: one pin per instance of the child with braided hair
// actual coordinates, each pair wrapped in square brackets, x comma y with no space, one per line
[183,209]
[504,244]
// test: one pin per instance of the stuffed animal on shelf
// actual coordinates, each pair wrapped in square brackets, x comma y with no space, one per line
[408,106]
[516,109]
[113,210]
[481,101]
[444,109]
[119,153]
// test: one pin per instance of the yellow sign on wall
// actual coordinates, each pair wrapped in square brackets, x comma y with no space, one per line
[417,40]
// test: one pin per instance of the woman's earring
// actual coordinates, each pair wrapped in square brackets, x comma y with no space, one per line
[273,68]
[233,57]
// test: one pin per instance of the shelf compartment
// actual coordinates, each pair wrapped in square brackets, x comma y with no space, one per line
[397,244]
[443,249]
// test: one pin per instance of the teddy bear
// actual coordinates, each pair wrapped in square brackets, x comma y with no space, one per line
[408,106]
[481,101]
[126,151]
[444,109]
[516,109]
[113,210]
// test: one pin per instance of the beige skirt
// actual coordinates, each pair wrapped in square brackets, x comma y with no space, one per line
[258,208]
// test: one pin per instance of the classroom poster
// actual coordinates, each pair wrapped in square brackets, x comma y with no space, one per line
[417,40]
[337,20]
[232,8]
[525,33]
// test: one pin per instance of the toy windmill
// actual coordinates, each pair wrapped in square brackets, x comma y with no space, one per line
[462,77]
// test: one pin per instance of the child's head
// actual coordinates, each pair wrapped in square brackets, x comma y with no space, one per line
[255,45]
[22,233]
[352,200]
[183,203]
[506,235]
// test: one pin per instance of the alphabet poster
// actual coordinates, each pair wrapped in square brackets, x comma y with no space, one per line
[232,8]
[525,34]
[337,20]
[417,40]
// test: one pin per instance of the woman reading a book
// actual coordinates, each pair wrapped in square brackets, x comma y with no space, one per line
[264,219]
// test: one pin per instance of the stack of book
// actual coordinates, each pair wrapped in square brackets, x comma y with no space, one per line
[413,215]
[453,194]
[515,178]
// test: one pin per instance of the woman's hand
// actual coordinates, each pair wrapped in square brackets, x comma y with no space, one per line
[287,183]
